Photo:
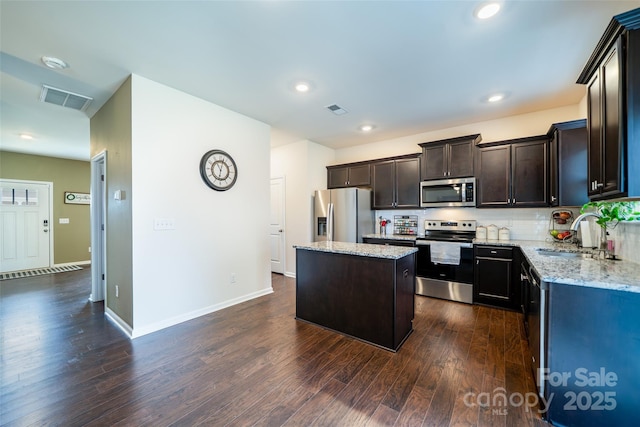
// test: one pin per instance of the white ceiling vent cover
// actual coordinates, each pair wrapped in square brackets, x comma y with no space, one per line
[336,109]
[64,98]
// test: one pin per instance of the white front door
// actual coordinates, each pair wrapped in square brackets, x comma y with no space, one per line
[276,225]
[25,225]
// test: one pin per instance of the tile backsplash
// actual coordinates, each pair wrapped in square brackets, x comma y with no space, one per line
[524,224]
[627,238]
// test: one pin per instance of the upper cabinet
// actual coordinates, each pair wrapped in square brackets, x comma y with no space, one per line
[568,163]
[513,173]
[449,158]
[352,175]
[612,77]
[396,183]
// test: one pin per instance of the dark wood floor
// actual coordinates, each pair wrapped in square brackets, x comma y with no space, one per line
[62,363]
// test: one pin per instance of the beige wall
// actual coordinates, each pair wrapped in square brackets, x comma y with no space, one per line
[71,241]
[111,131]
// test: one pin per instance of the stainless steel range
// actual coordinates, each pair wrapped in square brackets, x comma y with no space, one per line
[445,260]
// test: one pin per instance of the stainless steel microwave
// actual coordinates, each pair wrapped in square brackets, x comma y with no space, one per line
[448,192]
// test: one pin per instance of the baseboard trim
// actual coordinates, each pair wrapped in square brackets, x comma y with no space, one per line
[290,274]
[117,320]
[65,264]
[144,330]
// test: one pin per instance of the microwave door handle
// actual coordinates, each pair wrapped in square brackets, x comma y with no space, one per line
[330,222]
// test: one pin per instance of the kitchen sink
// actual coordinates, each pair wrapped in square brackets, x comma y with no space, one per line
[564,254]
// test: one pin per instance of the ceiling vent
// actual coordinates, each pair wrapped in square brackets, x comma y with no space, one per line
[64,98]
[337,110]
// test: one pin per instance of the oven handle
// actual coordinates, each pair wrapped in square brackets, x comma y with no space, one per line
[420,242]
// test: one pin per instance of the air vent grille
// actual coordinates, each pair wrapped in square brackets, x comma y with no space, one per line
[336,109]
[64,98]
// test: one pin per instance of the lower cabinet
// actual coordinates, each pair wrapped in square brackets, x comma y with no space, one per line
[494,282]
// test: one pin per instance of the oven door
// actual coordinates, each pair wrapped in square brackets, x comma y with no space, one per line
[462,273]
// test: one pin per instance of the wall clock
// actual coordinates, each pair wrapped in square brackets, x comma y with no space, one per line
[218,170]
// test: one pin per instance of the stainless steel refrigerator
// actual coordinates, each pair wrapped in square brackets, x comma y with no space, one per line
[343,215]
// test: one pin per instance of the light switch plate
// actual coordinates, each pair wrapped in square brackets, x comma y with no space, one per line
[164,224]
[63,220]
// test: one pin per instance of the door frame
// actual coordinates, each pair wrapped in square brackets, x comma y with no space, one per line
[98,219]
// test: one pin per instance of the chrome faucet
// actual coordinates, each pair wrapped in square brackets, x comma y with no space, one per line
[576,222]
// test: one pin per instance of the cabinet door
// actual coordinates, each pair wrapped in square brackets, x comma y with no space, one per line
[460,160]
[407,183]
[594,115]
[359,175]
[494,179]
[337,177]
[612,149]
[529,174]
[383,177]
[554,184]
[434,159]
[493,281]
[571,166]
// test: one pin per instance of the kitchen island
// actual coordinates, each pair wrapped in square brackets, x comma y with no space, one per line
[361,290]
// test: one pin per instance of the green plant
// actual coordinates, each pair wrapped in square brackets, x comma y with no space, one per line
[611,213]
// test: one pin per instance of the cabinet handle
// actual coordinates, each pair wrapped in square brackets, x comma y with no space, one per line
[553,198]
[494,252]
[600,185]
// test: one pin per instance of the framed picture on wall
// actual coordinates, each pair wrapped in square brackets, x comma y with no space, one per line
[77,198]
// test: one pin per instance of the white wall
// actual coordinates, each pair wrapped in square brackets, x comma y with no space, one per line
[184,273]
[303,164]
[520,126]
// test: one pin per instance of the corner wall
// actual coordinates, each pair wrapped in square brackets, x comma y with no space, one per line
[218,253]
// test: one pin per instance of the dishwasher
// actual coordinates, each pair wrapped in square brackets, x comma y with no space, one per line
[535,323]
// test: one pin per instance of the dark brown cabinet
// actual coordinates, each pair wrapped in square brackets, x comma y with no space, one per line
[494,276]
[449,158]
[513,173]
[388,242]
[396,183]
[568,163]
[356,175]
[612,78]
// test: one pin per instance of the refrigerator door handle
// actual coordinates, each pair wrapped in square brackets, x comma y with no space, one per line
[330,222]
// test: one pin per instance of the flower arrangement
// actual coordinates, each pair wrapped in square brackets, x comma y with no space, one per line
[383,225]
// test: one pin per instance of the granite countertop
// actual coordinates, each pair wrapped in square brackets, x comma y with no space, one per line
[360,249]
[591,272]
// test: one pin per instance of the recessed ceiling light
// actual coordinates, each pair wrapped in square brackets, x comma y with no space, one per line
[495,98]
[26,136]
[302,87]
[366,128]
[487,10]
[54,63]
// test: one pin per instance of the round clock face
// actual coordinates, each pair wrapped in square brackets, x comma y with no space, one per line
[218,170]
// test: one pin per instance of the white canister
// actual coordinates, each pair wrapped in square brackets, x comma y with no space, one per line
[481,233]
[503,233]
[492,232]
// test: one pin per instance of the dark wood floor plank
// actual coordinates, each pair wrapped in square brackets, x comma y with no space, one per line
[63,363]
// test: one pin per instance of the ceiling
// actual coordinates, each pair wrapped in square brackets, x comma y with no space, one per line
[405,67]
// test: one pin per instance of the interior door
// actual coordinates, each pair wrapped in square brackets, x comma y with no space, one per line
[276,225]
[25,225]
